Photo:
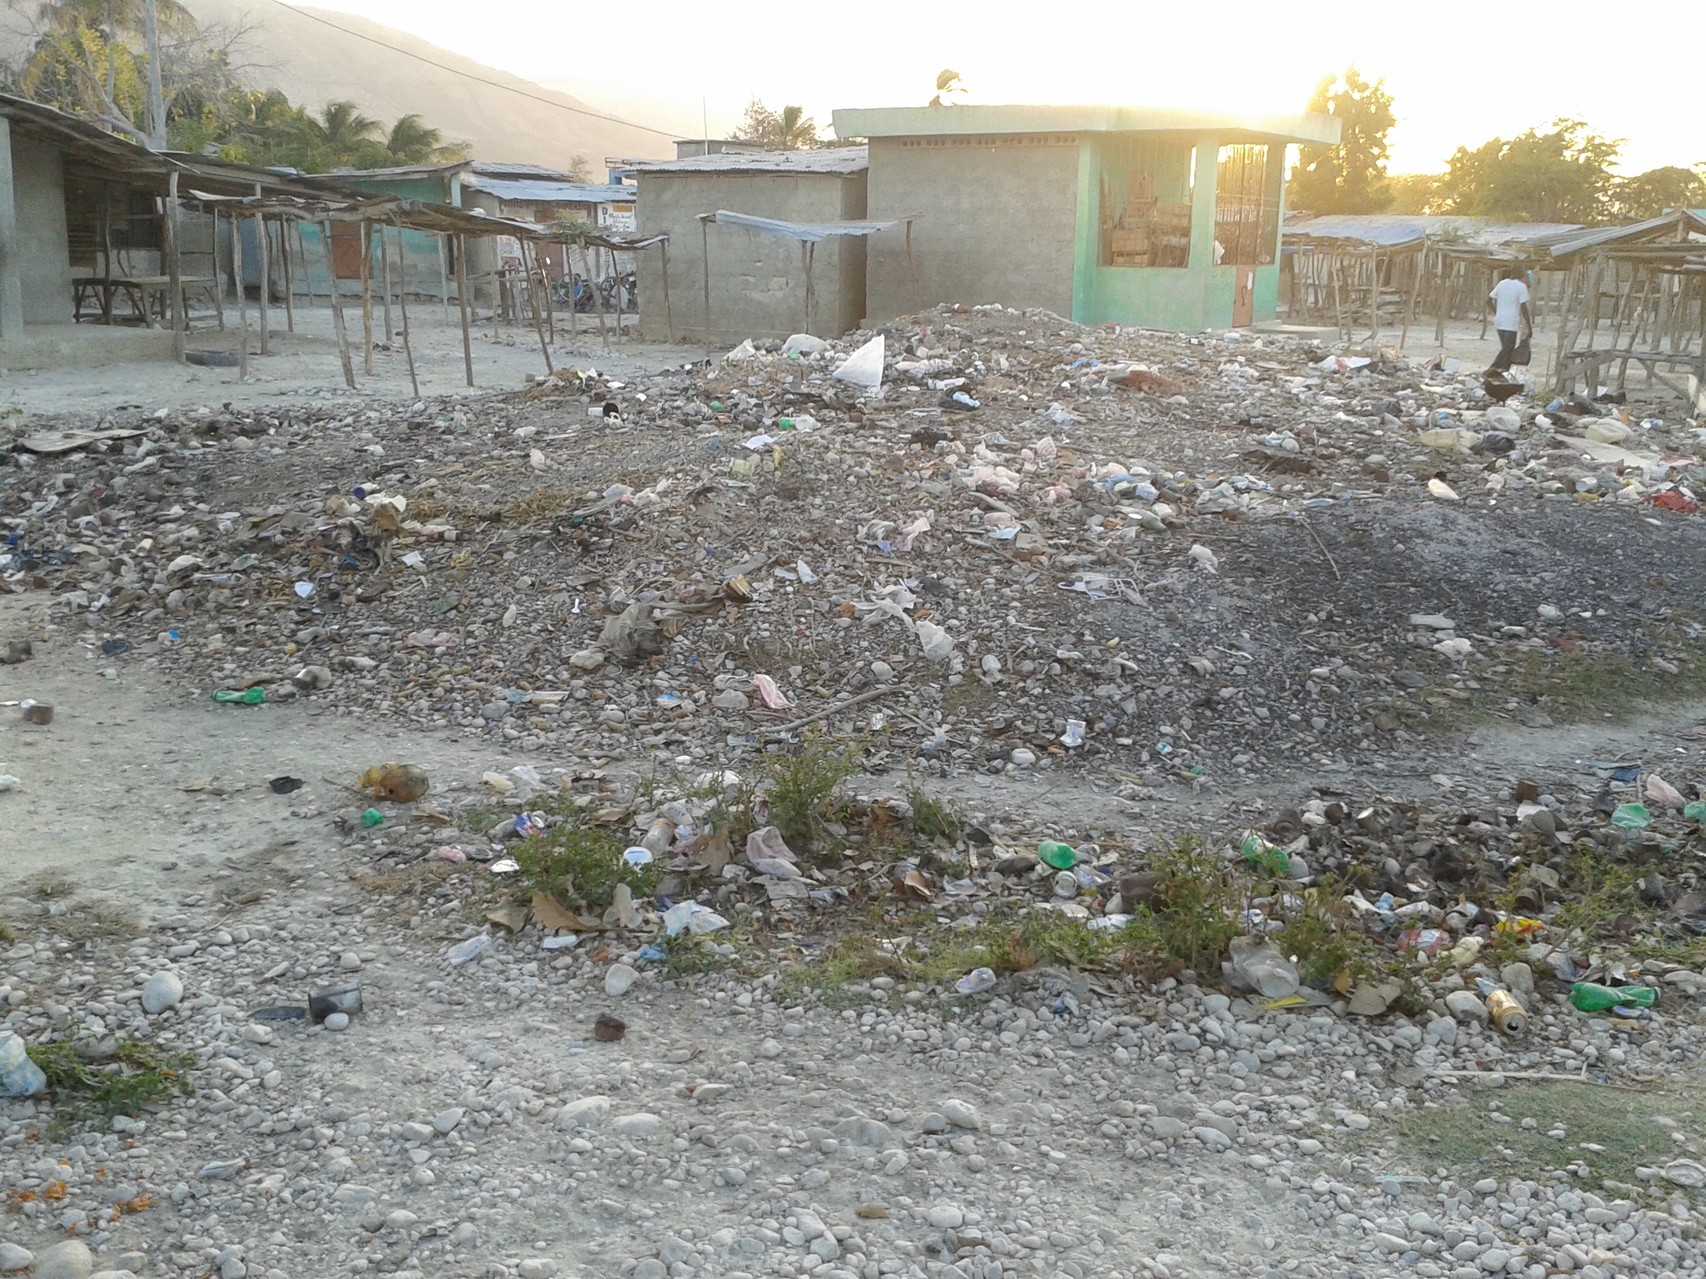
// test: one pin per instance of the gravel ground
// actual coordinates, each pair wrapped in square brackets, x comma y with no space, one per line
[1267,614]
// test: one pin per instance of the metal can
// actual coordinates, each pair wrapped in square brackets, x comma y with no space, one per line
[1506,1013]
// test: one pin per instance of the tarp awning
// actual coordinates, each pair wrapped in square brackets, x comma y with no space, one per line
[804,232]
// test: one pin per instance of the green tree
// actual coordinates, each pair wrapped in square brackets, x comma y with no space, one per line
[789,129]
[411,141]
[1412,192]
[1563,175]
[1350,176]
[1658,191]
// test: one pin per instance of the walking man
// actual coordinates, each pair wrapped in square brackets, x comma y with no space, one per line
[1511,317]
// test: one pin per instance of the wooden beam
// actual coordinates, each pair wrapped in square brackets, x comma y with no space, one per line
[538,320]
[366,261]
[174,267]
[338,328]
[403,305]
[462,302]
[242,298]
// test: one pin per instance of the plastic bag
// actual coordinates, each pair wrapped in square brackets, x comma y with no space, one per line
[864,368]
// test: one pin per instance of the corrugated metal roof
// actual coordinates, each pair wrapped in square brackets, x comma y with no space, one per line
[499,169]
[1600,237]
[831,160]
[997,118]
[804,232]
[520,191]
[1398,230]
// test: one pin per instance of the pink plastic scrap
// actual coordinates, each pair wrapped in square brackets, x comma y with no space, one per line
[772,696]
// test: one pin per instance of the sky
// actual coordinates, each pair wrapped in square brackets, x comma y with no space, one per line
[1452,84]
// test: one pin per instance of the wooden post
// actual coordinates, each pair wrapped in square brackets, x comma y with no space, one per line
[807,255]
[403,306]
[616,279]
[444,276]
[668,313]
[242,297]
[337,306]
[385,269]
[307,270]
[218,279]
[705,257]
[597,297]
[289,278]
[462,302]
[497,289]
[538,320]
[543,268]
[569,270]
[174,267]
[366,260]
[911,268]
[265,251]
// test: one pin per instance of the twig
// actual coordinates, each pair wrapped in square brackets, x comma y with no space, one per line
[826,712]
[1337,576]
[1518,1074]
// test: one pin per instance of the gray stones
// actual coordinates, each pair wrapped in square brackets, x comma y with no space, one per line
[1212,1138]
[1466,1006]
[945,1216]
[446,1120]
[537,1268]
[1685,1172]
[587,1112]
[70,1259]
[13,1257]
[961,1114]
[870,1134]
[161,991]
[638,1126]
[336,1021]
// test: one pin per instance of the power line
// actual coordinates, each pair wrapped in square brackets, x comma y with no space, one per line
[468,75]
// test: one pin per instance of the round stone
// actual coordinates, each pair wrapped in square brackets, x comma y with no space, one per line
[336,1021]
[160,992]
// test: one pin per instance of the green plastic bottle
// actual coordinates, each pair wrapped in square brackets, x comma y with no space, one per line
[1052,852]
[248,697]
[1258,852]
[1591,997]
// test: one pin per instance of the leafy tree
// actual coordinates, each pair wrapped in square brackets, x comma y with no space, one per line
[790,129]
[1560,176]
[949,88]
[1411,192]
[1658,191]
[412,141]
[1349,177]
[580,168]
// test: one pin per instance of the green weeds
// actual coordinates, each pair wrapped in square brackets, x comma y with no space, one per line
[90,1084]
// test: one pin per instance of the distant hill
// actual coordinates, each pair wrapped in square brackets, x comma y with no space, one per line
[315,64]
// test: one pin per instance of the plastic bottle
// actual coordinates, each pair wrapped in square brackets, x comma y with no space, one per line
[1051,852]
[19,1076]
[1591,997]
[1258,852]
[248,697]
[1263,966]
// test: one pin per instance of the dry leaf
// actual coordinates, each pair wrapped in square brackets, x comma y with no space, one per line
[714,852]
[914,883]
[551,915]
[511,916]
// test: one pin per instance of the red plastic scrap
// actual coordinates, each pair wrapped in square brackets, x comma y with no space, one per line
[1671,500]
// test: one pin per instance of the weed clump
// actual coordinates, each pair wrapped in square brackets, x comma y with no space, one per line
[800,793]
[91,1083]
[580,864]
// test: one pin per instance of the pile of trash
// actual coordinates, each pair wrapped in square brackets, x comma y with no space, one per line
[1045,542]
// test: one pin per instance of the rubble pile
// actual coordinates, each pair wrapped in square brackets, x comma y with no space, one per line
[1216,554]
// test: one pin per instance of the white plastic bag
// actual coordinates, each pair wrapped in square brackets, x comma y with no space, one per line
[864,368]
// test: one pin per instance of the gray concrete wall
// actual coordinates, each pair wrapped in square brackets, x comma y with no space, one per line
[757,281]
[11,291]
[999,222]
[44,260]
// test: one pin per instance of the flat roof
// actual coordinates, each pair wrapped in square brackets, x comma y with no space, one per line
[539,191]
[963,120]
[832,160]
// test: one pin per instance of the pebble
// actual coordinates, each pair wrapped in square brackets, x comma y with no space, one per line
[945,1217]
[961,1114]
[13,1257]
[160,992]
[336,1021]
[1466,1006]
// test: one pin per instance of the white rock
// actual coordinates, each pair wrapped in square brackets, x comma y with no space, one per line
[587,1112]
[537,1268]
[961,1114]
[620,978]
[447,1120]
[68,1260]
[336,1021]
[12,1257]
[945,1217]
[637,1127]
[588,659]
[1213,1138]
[1685,1172]
[1466,1006]
[160,992]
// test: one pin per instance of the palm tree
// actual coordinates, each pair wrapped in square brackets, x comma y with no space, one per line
[949,88]
[791,130]
[411,141]
[343,135]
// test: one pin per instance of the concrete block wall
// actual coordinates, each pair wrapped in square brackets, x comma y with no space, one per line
[44,251]
[999,221]
[757,281]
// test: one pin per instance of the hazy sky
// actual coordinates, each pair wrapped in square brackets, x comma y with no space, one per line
[1457,74]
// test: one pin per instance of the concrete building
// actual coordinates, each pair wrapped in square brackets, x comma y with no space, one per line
[82,236]
[757,282]
[1162,219]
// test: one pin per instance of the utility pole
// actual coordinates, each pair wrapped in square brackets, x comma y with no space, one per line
[156,95]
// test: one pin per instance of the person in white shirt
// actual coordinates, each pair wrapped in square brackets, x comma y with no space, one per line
[1511,317]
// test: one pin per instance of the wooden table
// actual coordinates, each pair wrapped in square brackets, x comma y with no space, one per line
[148,295]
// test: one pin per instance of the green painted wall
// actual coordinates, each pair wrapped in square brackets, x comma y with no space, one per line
[1198,296]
